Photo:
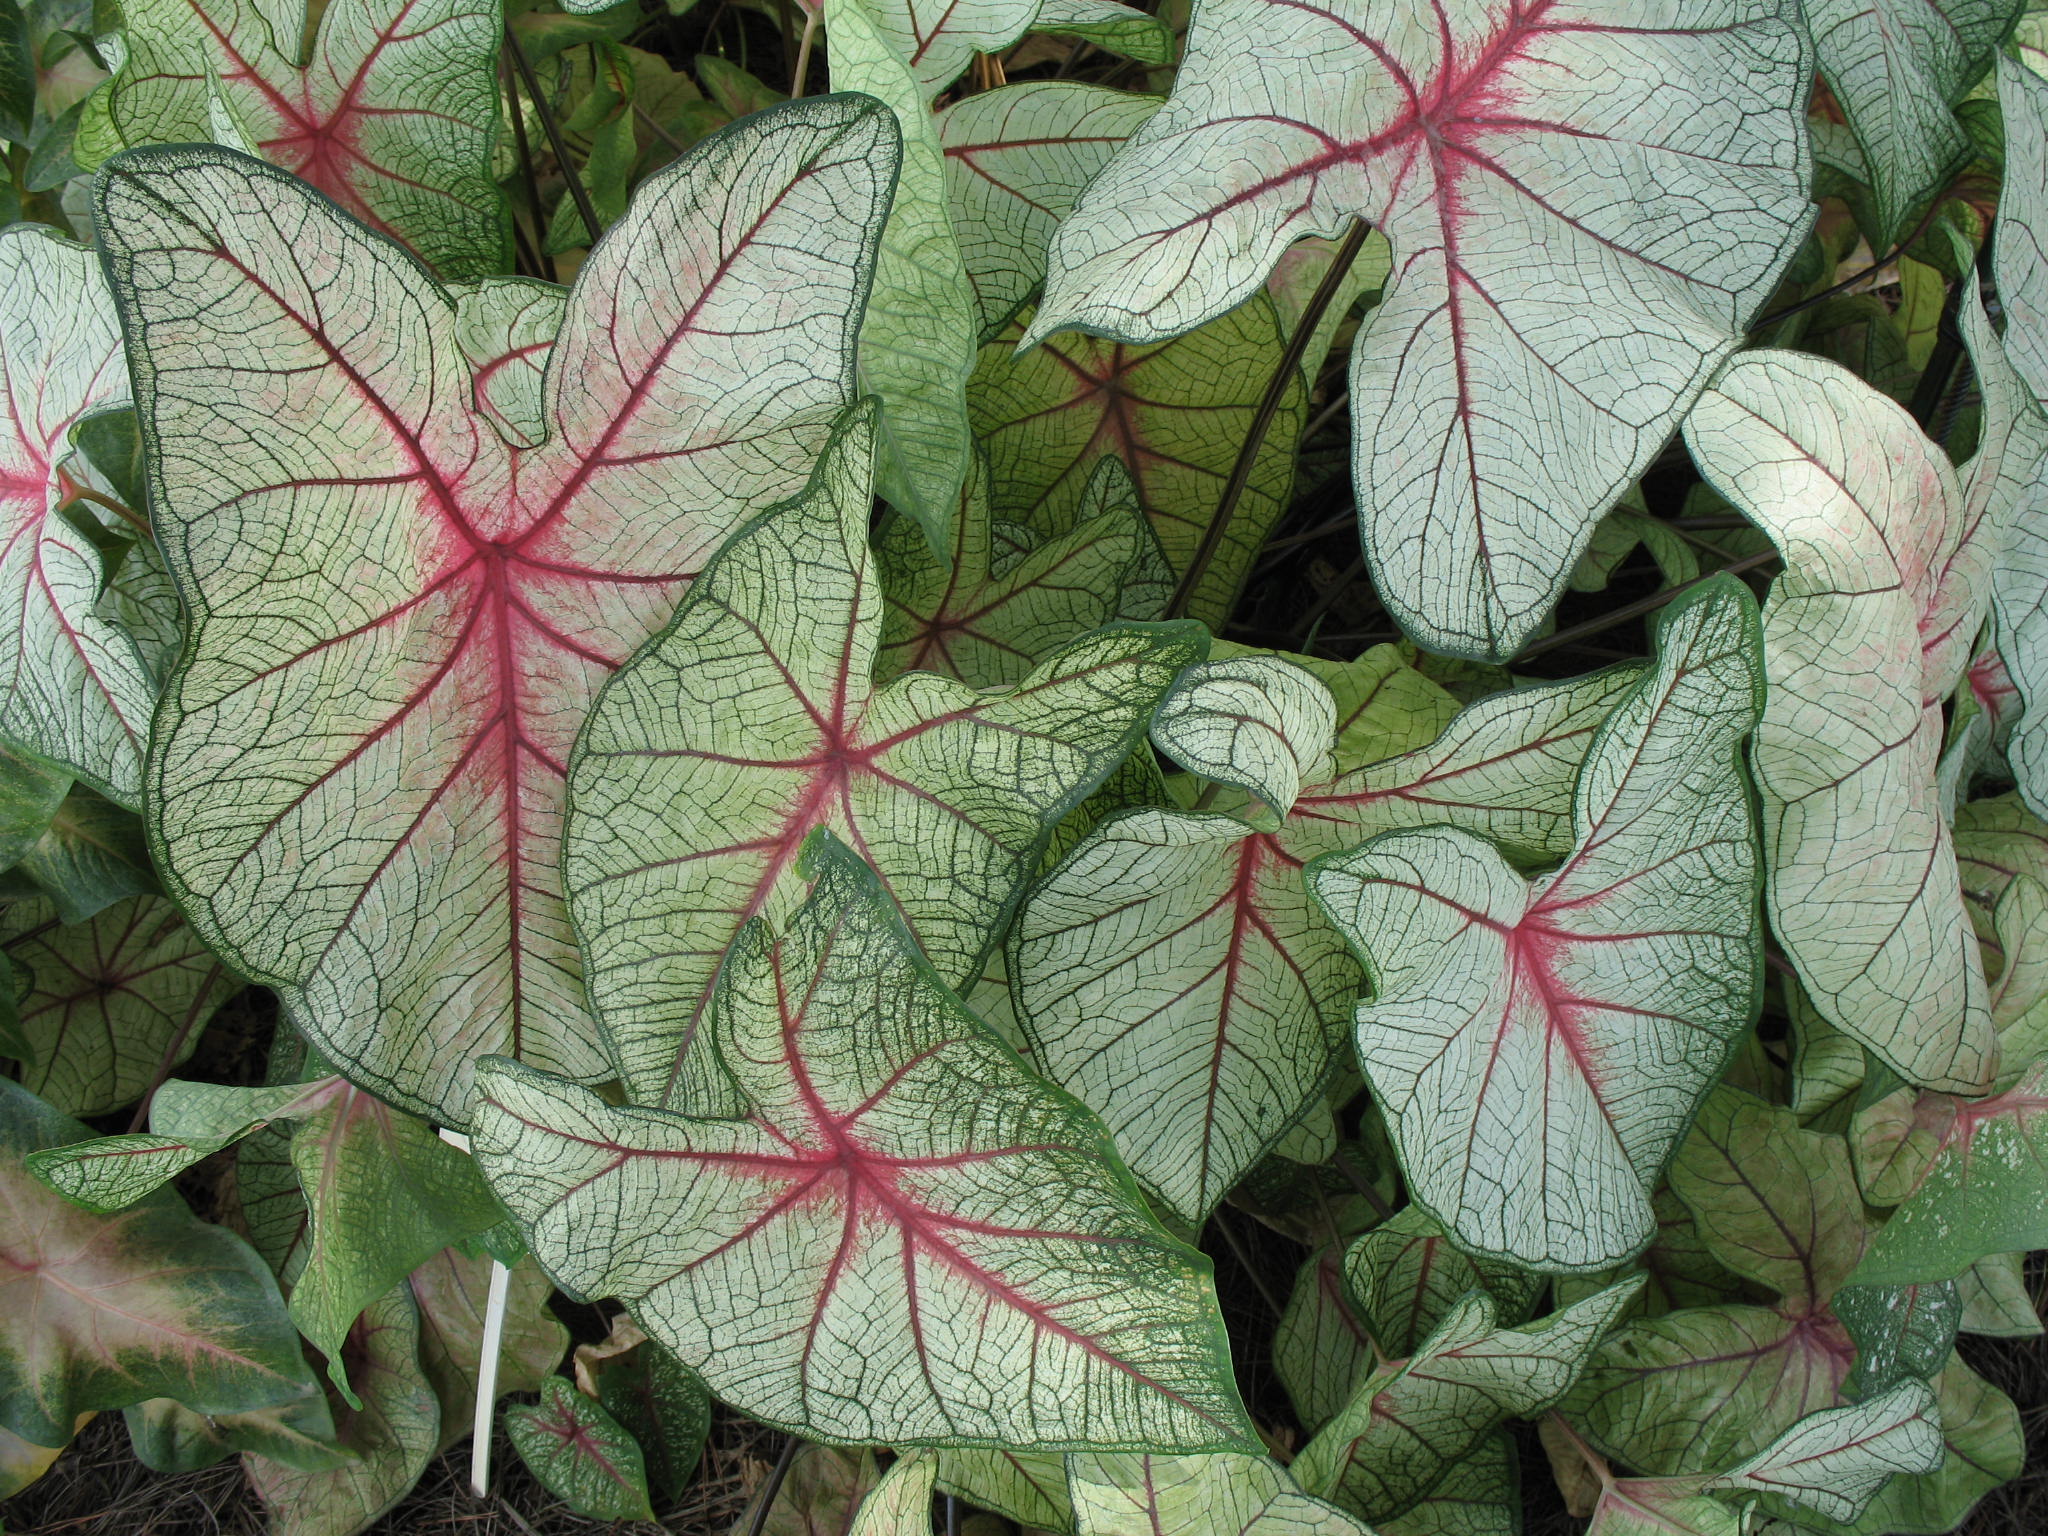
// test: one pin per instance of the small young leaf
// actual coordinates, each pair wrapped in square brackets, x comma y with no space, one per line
[953,1251]
[1487,145]
[753,719]
[580,1454]
[1227,1495]
[655,1398]
[1539,1049]
[1405,1277]
[398,747]
[1251,723]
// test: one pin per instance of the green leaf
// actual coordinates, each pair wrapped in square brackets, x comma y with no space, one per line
[1900,1331]
[1172,971]
[955,1253]
[390,1437]
[506,327]
[1229,1495]
[17,74]
[1029,1487]
[1003,600]
[1110,26]
[2019,258]
[1865,634]
[1412,1421]
[655,1399]
[31,794]
[109,1311]
[107,1005]
[451,1291]
[918,336]
[170,1438]
[92,854]
[1480,1496]
[1898,67]
[1176,413]
[391,111]
[937,39]
[753,719]
[580,1454]
[1016,158]
[1406,1277]
[1996,1301]
[1321,1350]
[819,1497]
[901,1504]
[76,693]
[402,750]
[1251,723]
[1539,1049]
[1487,147]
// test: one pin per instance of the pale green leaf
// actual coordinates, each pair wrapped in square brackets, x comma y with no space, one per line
[580,1454]
[1897,67]
[901,1504]
[917,339]
[1480,1496]
[753,719]
[391,1437]
[938,38]
[1412,1421]
[91,855]
[1003,600]
[76,692]
[1321,1350]
[974,1267]
[107,1005]
[391,110]
[820,1495]
[451,1291]
[333,760]
[109,1311]
[1490,146]
[1029,1487]
[2020,254]
[1637,1506]
[1539,1050]
[31,794]
[1252,723]
[1405,1277]
[1225,1495]
[506,327]
[1865,636]
[1996,1300]
[1016,158]
[1110,26]
[1176,413]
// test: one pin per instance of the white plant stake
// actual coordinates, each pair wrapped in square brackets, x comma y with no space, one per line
[487,1360]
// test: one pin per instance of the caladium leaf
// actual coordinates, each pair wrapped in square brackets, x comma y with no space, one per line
[1413,1420]
[451,1291]
[1480,1496]
[753,719]
[169,1437]
[654,1398]
[1898,67]
[392,110]
[580,1454]
[1029,1487]
[1900,1331]
[1110,26]
[391,1436]
[418,763]
[92,854]
[901,1504]
[1995,1299]
[1975,1182]
[918,336]
[1299,275]
[1479,145]
[1834,1461]
[1175,413]
[76,692]
[108,1311]
[1539,1050]
[31,794]
[820,1496]
[983,1274]
[1406,1277]
[1252,723]
[2020,250]
[939,38]
[506,327]
[1016,158]
[1865,635]
[1227,1494]
[1173,973]
[108,1005]
[1321,1350]
[1004,600]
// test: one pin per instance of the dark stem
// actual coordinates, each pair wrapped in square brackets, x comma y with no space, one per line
[952,1516]
[127,514]
[1639,607]
[1948,348]
[773,1486]
[1244,1262]
[1262,419]
[532,250]
[552,129]
[1854,278]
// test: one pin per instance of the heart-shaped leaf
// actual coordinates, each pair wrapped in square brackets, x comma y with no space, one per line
[1227,1494]
[401,748]
[753,719]
[1175,413]
[1413,1420]
[1005,599]
[1539,1050]
[654,1398]
[1865,635]
[168,1437]
[580,1454]
[1172,971]
[76,691]
[392,111]
[1488,146]
[1321,1350]
[1016,158]
[109,1005]
[949,1248]
[108,1311]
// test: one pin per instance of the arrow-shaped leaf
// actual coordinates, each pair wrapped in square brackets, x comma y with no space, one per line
[1538,1050]
[1531,298]
[580,1453]
[75,692]
[396,744]
[1865,636]
[392,111]
[1226,1494]
[910,1240]
[754,718]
